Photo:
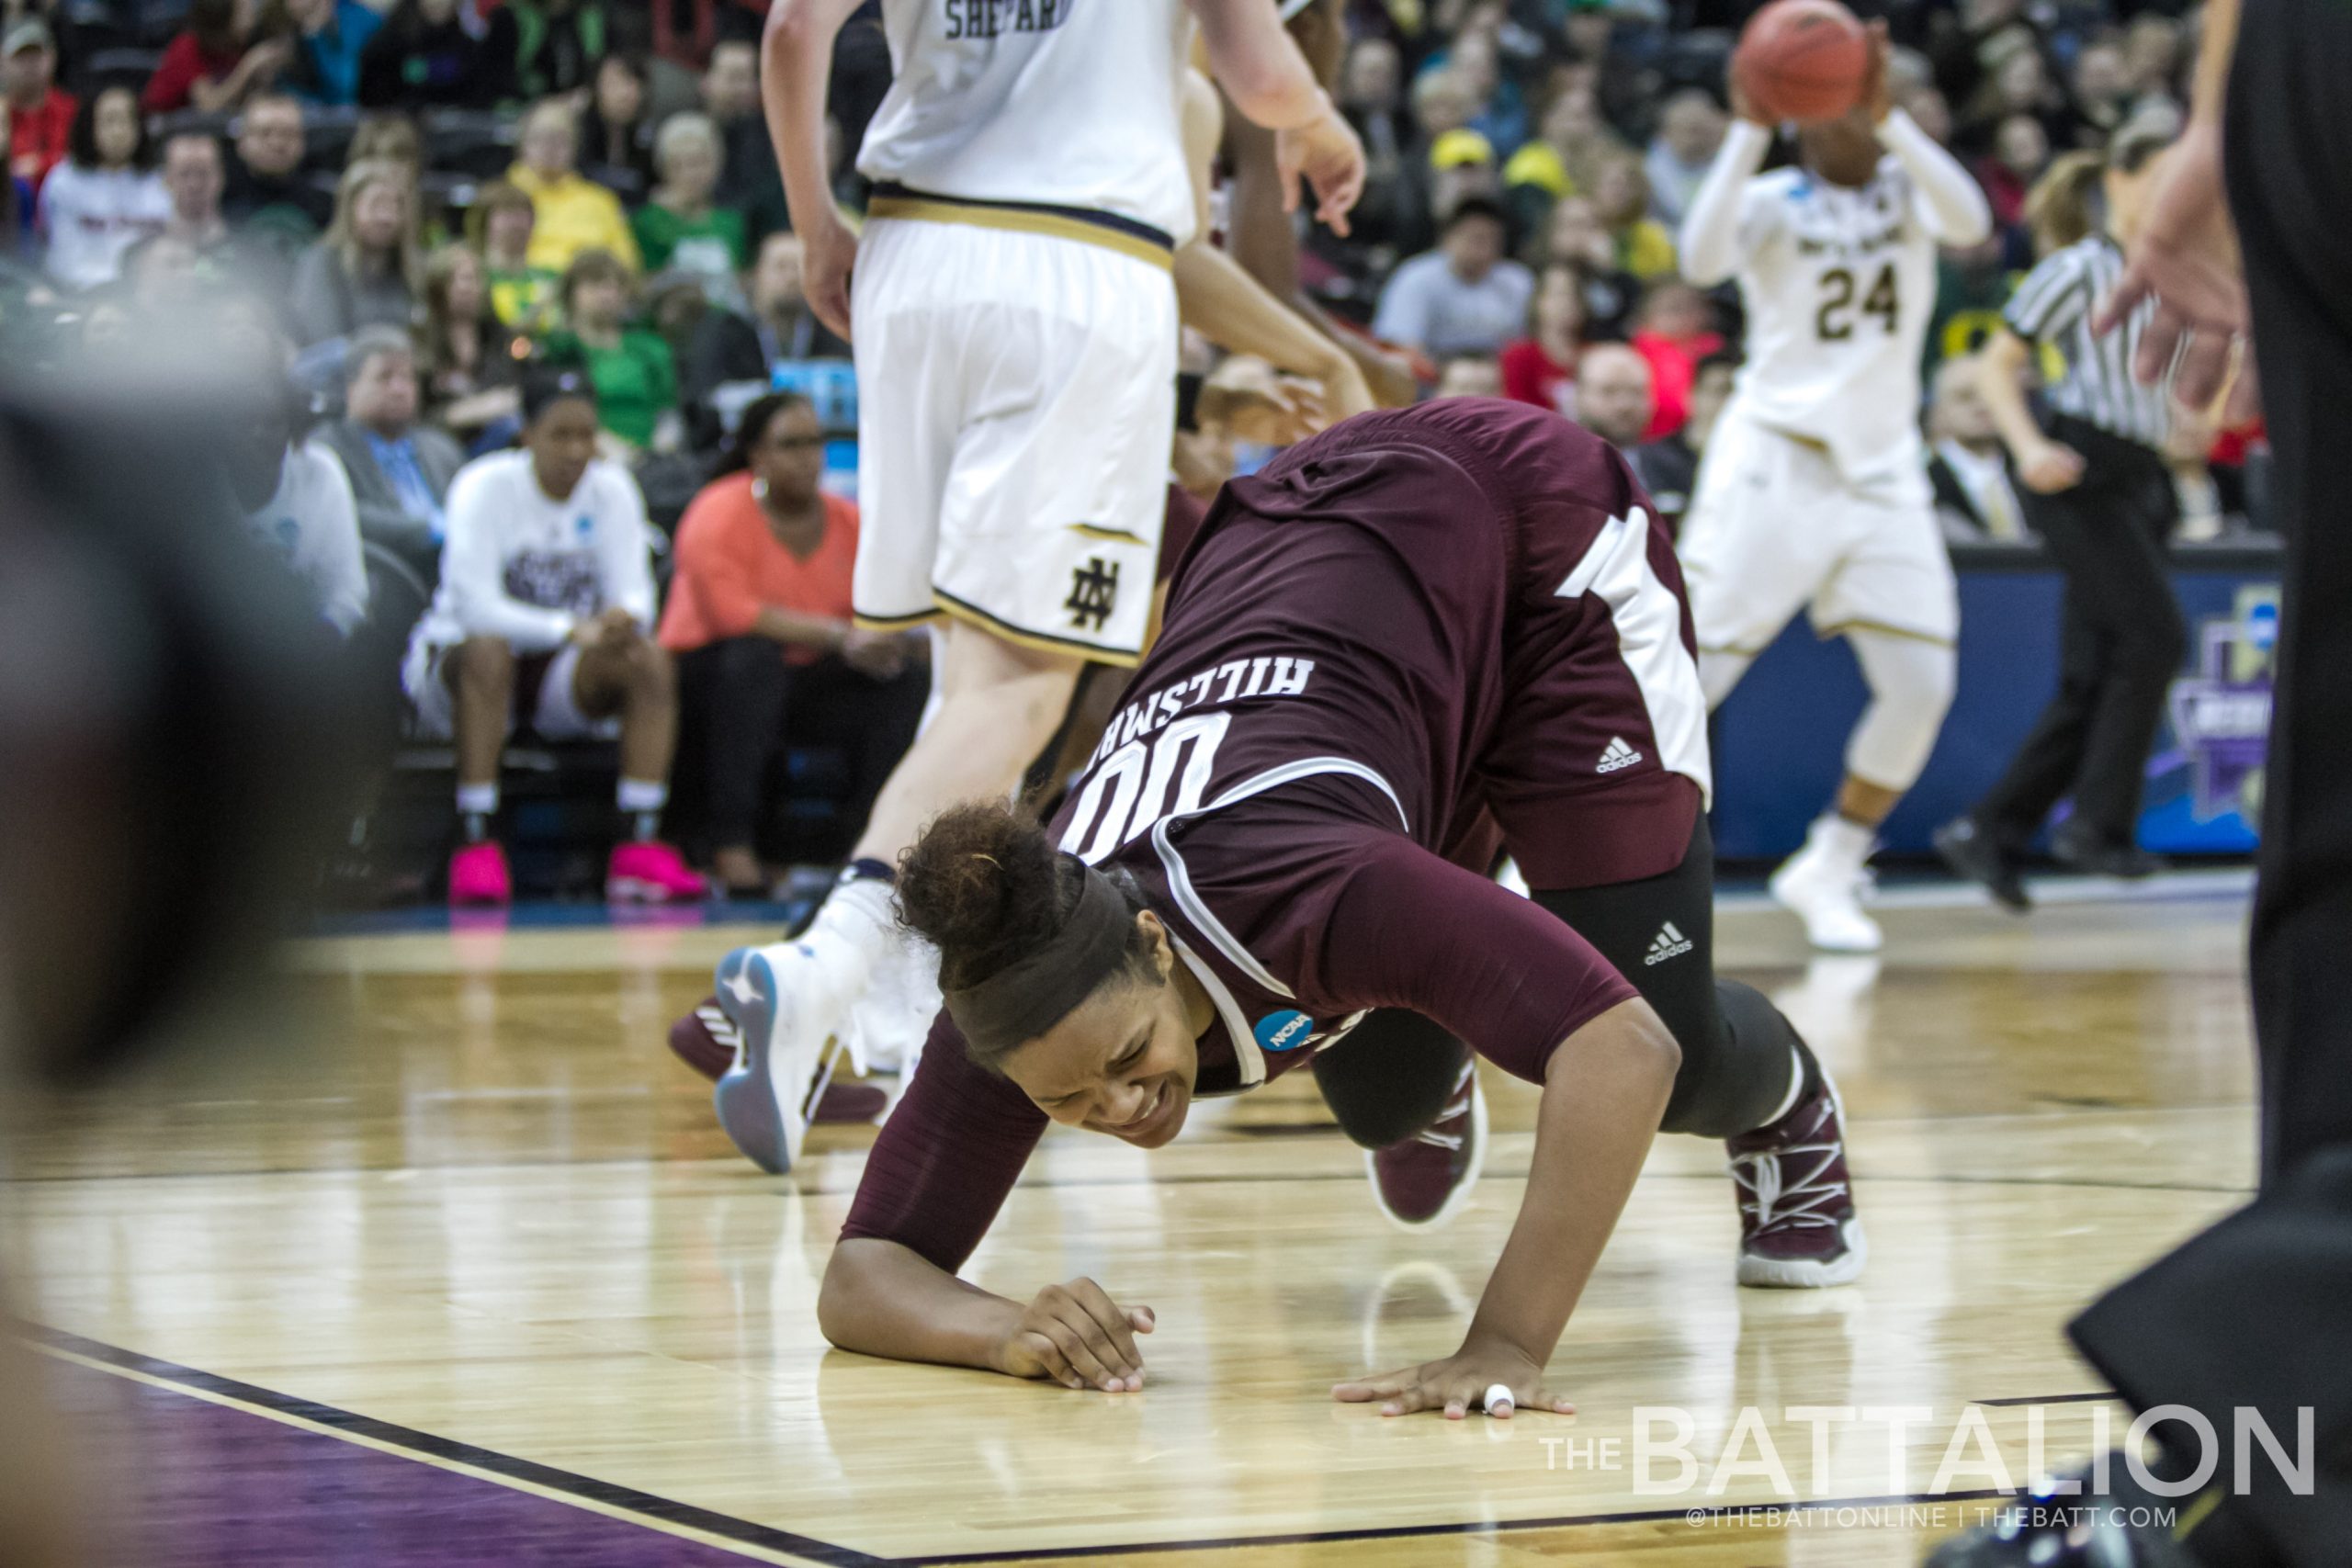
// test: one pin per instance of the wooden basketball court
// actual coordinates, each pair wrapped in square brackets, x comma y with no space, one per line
[449,1248]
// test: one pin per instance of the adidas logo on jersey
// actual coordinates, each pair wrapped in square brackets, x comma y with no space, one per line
[1670,942]
[1617,755]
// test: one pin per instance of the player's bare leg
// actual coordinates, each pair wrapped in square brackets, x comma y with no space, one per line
[1000,703]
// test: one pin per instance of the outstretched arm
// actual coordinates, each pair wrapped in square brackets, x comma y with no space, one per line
[1224,304]
[1603,1092]
[1536,999]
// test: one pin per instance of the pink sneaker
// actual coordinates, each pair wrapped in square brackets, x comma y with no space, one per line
[478,874]
[651,874]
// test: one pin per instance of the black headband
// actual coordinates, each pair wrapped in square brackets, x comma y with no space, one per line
[1022,1000]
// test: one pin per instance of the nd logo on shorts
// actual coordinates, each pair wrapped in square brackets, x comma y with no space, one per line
[1283,1030]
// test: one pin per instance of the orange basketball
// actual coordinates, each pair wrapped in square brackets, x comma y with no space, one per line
[1802,60]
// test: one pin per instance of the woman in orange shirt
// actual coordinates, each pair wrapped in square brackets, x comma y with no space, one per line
[759,617]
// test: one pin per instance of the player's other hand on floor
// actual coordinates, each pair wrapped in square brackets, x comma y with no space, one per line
[1460,1385]
[1077,1336]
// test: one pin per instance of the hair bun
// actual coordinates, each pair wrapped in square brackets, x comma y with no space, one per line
[984,884]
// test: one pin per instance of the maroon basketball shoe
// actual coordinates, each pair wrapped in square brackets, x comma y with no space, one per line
[1797,1228]
[1422,1181]
[706,1041]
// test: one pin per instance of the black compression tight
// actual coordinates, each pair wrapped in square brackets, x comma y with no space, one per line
[1391,1076]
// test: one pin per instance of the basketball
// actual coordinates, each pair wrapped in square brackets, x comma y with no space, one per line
[1800,60]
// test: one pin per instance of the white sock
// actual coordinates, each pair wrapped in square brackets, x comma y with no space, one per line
[642,801]
[853,930]
[641,795]
[1849,842]
[476,804]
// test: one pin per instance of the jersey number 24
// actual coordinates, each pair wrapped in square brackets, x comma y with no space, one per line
[1834,323]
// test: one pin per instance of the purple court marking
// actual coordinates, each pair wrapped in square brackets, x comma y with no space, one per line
[189,1483]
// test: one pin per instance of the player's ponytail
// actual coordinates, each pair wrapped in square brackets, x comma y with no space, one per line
[2058,208]
[1024,931]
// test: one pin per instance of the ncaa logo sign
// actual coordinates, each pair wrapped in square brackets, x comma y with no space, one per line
[1283,1030]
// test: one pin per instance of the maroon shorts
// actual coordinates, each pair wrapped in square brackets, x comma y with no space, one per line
[1539,625]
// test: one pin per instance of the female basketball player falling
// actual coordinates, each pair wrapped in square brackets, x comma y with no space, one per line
[1422,634]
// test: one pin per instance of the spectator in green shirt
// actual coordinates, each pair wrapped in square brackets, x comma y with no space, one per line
[498,226]
[681,227]
[635,380]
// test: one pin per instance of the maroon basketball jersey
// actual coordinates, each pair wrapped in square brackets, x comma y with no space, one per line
[1345,663]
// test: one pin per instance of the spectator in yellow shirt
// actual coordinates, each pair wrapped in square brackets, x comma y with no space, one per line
[1621,195]
[574,214]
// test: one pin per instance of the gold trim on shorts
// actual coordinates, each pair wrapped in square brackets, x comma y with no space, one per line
[1021,221]
[1021,637]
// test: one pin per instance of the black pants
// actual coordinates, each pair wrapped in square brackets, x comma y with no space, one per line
[2257,1311]
[1391,1076]
[740,702]
[2121,645]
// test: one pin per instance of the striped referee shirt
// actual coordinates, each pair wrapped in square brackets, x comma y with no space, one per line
[2054,305]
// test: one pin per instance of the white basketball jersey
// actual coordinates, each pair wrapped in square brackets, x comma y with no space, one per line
[1065,103]
[1839,287]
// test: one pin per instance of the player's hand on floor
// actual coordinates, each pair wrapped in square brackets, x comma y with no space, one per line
[2050,468]
[1458,1385]
[828,251]
[1077,1336]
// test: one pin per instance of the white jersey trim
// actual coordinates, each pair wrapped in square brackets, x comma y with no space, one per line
[1648,619]
[1252,1060]
[1180,878]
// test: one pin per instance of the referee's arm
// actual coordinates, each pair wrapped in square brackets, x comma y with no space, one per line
[2043,465]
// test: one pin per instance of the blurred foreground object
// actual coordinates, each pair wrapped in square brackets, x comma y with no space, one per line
[174,741]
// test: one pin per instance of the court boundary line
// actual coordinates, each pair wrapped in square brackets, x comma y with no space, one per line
[686,1520]
[664,1515]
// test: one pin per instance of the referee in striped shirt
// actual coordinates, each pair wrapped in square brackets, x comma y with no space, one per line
[2098,490]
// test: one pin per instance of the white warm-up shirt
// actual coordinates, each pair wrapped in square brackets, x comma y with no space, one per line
[1838,285]
[313,520]
[519,565]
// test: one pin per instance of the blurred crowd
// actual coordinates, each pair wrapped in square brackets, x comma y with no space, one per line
[423,204]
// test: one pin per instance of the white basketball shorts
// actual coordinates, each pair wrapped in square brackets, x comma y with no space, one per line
[1016,399]
[1774,527]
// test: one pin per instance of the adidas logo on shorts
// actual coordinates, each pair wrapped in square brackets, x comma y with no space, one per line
[1670,942]
[1616,755]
